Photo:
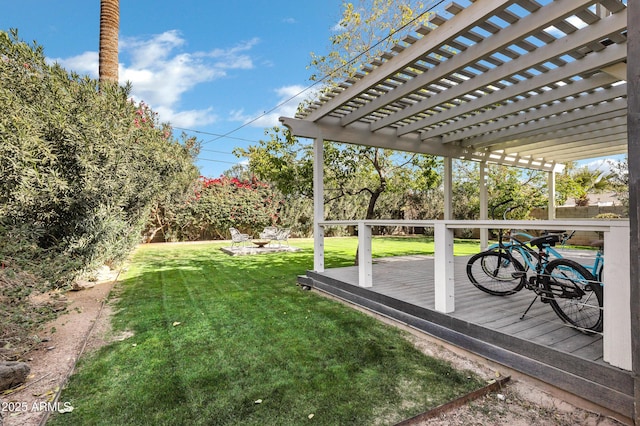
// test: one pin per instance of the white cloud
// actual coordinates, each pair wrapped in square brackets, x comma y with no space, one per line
[604,165]
[288,99]
[188,119]
[85,63]
[161,72]
[146,53]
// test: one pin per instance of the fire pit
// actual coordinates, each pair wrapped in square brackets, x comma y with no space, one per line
[261,243]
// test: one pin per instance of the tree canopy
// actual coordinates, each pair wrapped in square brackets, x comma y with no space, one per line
[365,31]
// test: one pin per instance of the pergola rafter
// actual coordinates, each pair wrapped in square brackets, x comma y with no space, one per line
[493,77]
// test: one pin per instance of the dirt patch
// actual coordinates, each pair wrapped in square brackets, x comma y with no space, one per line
[521,402]
[84,326]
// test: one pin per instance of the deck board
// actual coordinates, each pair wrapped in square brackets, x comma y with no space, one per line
[540,345]
[412,280]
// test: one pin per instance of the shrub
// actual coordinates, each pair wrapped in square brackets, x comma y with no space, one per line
[220,203]
[81,167]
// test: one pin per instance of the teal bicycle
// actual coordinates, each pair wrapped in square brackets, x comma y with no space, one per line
[573,292]
[520,248]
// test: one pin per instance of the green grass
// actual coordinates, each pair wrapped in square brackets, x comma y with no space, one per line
[248,333]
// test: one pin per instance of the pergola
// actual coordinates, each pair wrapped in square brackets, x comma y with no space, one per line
[507,82]
[527,83]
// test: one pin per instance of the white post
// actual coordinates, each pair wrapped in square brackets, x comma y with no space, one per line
[551,185]
[365,261]
[318,204]
[616,340]
[447,181]
[443,268]
[484,205]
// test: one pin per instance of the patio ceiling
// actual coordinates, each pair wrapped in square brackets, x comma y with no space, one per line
[519,82]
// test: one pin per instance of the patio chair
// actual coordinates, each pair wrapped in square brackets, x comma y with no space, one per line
[269,233]
[283,236]
[238,238]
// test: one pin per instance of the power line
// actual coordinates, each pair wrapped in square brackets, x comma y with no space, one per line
[218,152]
[226,135]
[219,161]
[215,134]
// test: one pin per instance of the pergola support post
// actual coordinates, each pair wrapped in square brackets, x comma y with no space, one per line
[448,187]
[318,204]
[551,186]
[617,328]
[443,268]
[484,205]
[633,149]
[365,261]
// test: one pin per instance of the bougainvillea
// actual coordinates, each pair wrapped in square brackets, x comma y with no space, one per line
[224,202]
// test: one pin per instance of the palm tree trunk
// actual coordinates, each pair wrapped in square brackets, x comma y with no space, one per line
[108,52]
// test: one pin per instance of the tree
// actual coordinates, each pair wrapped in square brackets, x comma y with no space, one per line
[283,161]
[220,203]
[80,170]
[370,172]
[108,50]
[350,171]
[368,28]
[578,182]
[525,187]
[620,179]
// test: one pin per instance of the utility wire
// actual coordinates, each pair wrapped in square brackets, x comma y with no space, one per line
[218,161]
[214,134]
[325,77]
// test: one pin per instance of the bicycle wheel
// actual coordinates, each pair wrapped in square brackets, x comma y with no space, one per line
[574,294]
[526,258]
[496,273]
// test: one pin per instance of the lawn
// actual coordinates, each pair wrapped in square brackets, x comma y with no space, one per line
[229,340]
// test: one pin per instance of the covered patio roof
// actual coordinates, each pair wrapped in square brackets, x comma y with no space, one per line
[529,83]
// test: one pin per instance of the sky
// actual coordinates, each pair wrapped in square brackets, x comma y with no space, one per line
[213,67]
[223,71]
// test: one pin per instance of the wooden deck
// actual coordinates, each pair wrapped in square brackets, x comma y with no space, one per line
[540,345]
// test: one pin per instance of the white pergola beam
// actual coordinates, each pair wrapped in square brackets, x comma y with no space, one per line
[610,117]
[497,107]
[565,45]
[525,27]
[616,135]
[412,143]
[541,112]
[438,37]
[542,126]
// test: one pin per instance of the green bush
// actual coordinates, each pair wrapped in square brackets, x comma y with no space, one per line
[220,203]
[82,167]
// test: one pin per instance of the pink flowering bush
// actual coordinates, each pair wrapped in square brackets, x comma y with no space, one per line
[224,202]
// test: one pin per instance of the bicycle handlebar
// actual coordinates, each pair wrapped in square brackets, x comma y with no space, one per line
[493,209]
[565,236]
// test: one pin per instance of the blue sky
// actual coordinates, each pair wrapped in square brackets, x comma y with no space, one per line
[210,66]
[213,67]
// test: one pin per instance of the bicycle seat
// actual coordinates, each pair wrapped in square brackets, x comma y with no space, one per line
[546,240]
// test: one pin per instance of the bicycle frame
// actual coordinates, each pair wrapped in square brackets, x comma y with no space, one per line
[527,253]
[568,286]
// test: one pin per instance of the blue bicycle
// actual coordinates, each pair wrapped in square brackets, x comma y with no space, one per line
[520,248]
[573,292]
